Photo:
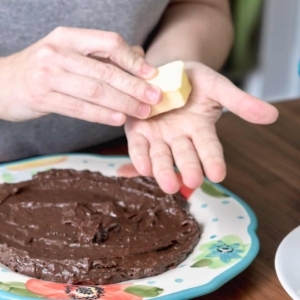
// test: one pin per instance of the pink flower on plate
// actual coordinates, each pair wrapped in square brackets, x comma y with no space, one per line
[128,170]
[50,290]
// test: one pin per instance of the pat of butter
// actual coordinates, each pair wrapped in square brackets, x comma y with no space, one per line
[174,83]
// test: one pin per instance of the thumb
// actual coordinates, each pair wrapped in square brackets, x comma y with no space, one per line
[221,90]
[244,105]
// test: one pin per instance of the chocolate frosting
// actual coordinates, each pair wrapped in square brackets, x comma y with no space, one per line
[84,228]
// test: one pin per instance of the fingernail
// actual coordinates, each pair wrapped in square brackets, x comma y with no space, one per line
[153,95]
[118,118]
[144,110]
[148,70]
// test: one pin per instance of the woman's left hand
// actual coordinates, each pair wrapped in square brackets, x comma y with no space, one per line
[187,136]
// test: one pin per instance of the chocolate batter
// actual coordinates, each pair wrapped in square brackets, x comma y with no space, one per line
[85,228]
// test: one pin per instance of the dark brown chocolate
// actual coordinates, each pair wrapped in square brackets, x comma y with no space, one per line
[82,227]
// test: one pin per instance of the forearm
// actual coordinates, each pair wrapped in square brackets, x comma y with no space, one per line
[193,30]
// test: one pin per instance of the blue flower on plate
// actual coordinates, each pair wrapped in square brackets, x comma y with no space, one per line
[221,252]
[225,251]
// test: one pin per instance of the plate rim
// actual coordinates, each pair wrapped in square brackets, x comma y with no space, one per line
[202,290]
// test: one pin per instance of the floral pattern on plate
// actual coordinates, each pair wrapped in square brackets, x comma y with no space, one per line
[35,288]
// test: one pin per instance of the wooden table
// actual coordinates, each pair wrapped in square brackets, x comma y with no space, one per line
[264,170]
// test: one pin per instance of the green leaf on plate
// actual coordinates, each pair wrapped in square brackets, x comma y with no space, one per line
[7,177]
[144,291]
[15,284]
[209,189]
[202,263]
[17,288]
[4,287]
[24,293]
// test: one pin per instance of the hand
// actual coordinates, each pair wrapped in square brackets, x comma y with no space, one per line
[79,73]
[187,136]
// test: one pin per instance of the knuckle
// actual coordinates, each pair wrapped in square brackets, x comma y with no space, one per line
[127,105]
[76,106]
[139,148]
[191,165]
[116,41]
[139,50]
[135,61]
[158,154]
[37,76]
[45,54]
[98,115]
[95,90]
[180,146]
[207,141]
[37,100]
[59,32]
[138,86]
[105,71]
[181,150]
[159,170]
[159,151]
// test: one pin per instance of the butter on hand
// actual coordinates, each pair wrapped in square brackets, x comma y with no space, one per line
[174,83]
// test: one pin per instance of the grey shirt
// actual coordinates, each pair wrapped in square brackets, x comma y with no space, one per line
[24,22]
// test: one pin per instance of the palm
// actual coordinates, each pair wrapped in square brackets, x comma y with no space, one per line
[187,135]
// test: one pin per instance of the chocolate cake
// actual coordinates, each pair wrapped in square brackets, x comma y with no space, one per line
[84,228]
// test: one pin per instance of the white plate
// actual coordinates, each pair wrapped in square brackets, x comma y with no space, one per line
[287,264]
[227,246]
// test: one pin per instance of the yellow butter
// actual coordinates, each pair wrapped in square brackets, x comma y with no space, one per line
[173,81]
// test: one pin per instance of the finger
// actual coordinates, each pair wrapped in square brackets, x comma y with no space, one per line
[139,50]
[210,152]
[112,75]
[242,104]
[187,161]
[76,108]
[99,93]
[138,148]
[104,44]
[162,167]
[225,93]
[128,171]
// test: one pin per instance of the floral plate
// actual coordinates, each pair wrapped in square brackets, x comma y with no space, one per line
[227,246]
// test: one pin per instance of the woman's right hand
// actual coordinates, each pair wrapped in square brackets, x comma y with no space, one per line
[63,73]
